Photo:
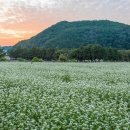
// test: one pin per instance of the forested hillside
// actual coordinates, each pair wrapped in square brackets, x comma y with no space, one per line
[74,34]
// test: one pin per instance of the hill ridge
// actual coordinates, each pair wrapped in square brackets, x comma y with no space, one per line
[73,34]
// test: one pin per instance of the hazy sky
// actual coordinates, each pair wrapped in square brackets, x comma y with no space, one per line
[21,19]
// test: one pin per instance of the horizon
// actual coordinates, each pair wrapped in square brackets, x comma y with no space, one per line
[22,19]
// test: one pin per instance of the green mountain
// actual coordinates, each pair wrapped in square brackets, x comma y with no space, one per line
[74,34]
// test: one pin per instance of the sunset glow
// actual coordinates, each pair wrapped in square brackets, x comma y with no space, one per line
[22,19]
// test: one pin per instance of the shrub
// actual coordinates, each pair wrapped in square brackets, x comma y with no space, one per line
[62,58]
[66,78]
[35,59]
[3,59]
[21,59]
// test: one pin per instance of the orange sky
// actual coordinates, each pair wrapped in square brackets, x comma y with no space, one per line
[22,19]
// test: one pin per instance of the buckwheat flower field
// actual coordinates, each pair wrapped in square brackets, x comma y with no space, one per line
[64,96]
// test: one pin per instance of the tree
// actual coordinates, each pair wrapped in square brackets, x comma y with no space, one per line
[97,52]
[112,54]
[50,54]
[71,35]
[125,55]
[2,54]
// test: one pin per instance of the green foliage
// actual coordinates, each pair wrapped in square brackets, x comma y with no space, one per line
[62,58]
[7,48]
[74,34]
[50,54]
[95,53]
[66,78]
[35,59]
[3,59]
[91,52]
[125,55]
[2,54]
[72,60]
[21,59]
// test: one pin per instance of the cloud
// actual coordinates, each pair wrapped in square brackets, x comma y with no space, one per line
[13,33]
[22,10]
[35,15]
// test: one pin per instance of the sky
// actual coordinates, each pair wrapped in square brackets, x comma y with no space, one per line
[22,19]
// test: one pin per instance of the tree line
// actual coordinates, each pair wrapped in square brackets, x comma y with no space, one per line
[91,53]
